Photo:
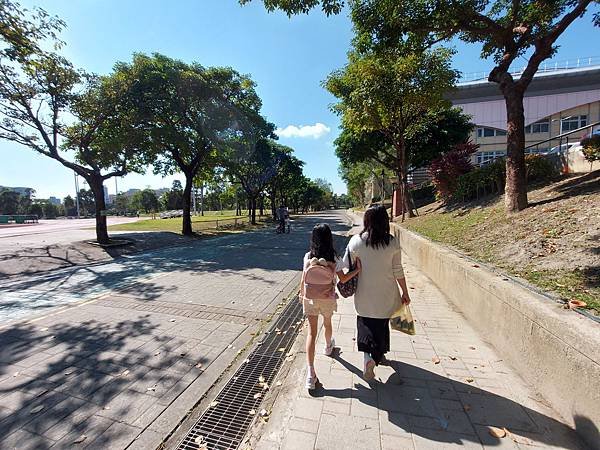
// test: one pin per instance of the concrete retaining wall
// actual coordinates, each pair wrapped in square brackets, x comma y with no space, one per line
[556,350]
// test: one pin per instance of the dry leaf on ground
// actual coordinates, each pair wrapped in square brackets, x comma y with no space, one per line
[435,360]
[257,395]
[497,432]
[252,412]
[279,383]
[261,379]
[470,380]
[37,409]
[80,439]
[213,404]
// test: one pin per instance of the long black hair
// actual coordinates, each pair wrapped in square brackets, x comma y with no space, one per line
[377,227]
[321,243]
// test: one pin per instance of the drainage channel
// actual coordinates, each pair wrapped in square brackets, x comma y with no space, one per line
[224,424]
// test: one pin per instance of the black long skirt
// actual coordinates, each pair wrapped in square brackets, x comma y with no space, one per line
[373,336]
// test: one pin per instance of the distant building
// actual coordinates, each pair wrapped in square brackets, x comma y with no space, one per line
[130,192]
[55,201]
[106,196]
[558,101]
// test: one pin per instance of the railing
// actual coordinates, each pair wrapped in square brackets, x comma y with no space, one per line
[545,67]
[562,140]
[18,218]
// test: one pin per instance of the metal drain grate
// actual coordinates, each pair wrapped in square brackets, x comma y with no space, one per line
[223,425]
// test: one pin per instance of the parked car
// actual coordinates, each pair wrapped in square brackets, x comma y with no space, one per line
[560,149]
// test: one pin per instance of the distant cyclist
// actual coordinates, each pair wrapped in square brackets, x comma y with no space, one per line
[282,216]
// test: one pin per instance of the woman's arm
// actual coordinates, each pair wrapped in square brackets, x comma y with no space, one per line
[345,277]
[405,296]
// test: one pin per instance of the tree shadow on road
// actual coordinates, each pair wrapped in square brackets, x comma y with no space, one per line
[62,383]
[447,411]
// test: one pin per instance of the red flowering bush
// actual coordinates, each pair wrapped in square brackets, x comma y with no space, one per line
[447,168]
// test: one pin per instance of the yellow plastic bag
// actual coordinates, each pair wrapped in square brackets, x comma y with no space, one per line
[402,320]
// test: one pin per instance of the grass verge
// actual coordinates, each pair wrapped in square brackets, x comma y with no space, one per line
[173,224]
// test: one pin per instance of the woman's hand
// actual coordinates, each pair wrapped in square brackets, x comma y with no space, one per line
[357,265]
[405,298]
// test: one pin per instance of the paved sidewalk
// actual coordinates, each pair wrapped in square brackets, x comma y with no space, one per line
[126,348]
[445,388]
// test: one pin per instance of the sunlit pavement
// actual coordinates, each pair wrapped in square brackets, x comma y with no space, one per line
[113,354]
[445,388]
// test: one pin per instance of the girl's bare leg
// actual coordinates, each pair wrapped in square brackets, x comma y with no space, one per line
[328,330]
[311,338]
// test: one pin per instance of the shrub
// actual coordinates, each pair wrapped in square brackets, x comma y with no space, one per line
[591,148]
[488,179]
[540,168]
[447,168]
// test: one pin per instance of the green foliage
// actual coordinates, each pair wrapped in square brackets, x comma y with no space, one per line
[591,148]
[302,6]
[489,179]
[121,204]
[9,202]
[145,200]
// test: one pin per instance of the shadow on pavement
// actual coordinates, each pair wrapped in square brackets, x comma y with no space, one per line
[451,412]
[69,381]
[251,255]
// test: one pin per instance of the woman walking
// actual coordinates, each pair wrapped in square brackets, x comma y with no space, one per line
[377,296]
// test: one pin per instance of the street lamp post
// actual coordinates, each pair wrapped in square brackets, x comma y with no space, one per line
[77,194]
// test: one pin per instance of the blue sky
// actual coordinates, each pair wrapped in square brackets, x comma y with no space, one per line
[288,59]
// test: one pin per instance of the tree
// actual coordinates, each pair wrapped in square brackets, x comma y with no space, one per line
[173,199]
[50,210]
[507,31]
[87,204]
[286,180]
[391,97]
[145,200]
[121,203]
[591,148]
[70,207]
[253,160]
[37,209]
[186,109]
[49,106]
[9,202]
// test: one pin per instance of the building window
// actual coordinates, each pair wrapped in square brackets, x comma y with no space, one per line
[572,123]
[489,132]
[484,158]
[543,126]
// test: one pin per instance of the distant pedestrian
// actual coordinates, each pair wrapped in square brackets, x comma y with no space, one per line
[317,292]
[377,295]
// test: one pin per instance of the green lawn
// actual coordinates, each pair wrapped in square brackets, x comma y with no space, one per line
[174,224]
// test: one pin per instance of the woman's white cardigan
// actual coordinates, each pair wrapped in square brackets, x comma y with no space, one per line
[377,295]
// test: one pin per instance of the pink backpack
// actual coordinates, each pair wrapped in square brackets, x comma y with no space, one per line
[318,280]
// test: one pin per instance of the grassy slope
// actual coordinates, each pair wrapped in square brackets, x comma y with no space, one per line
[553,244]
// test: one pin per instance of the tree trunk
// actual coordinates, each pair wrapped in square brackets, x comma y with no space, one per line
[186,229]
[253,210]
[202,198]
[97,187]
[262,205]
[515,197]
[273,199]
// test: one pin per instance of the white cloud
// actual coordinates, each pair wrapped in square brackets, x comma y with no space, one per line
[303,131]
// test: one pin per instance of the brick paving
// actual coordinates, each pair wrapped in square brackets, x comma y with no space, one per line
[444,388]
[114,355]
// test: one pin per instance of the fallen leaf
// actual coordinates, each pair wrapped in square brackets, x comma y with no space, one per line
[265,386]
[470,380]
[246,361]
[213,404]
[172,320]
[472,347]
[252,412]
[435,360]
[230,346]
[572,304]
[199,439]
[467,408]
[151,388]
[263,412]
[279,383]
[106,408]
[16,374]
[37,409]
[182,354]
[497,432]
[281,349]
[124,373]
[476,266]
[257,395]
[289,354]
[44,329]
[199,365]
[453,358]
[80,439]
[261,379]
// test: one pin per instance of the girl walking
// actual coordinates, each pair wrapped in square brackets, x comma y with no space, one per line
[377,295]
[317,291]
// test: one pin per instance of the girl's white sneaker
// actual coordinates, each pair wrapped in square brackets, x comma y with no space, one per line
[328,350]
[369,370]
[311,381]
